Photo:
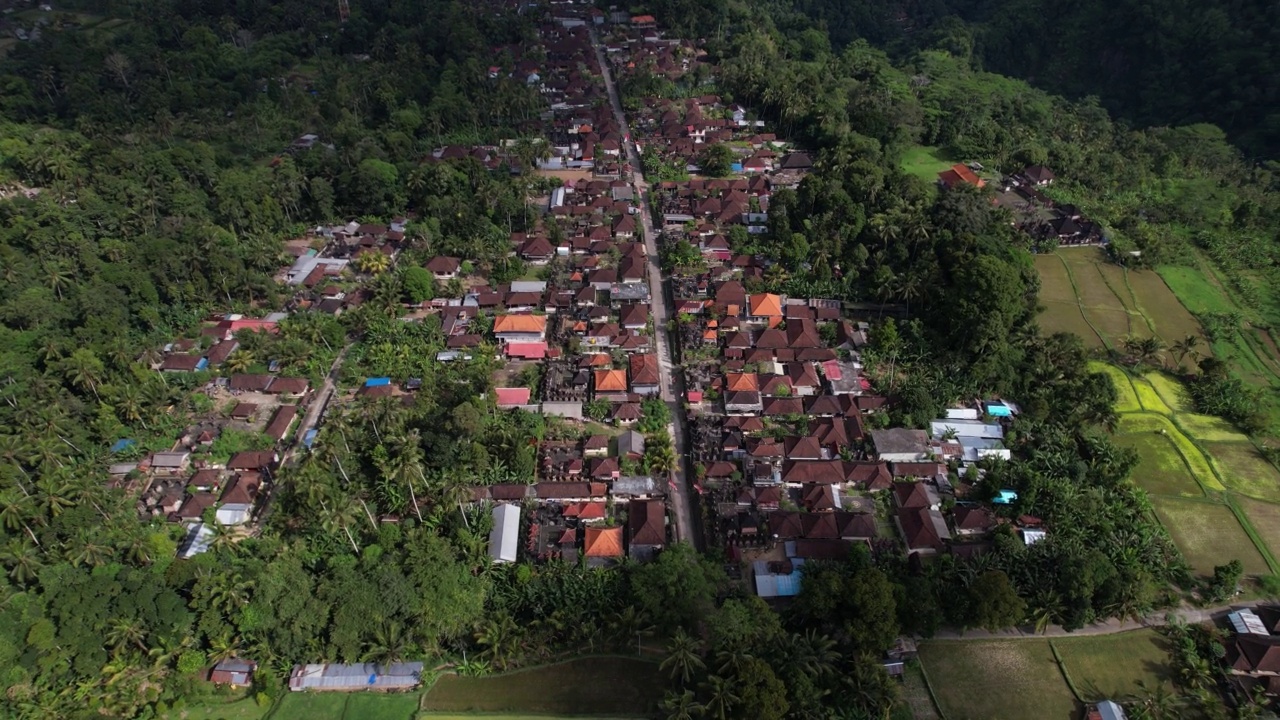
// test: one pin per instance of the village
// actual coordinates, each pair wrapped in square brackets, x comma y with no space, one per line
[704,406]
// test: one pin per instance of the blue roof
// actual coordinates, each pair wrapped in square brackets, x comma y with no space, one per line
[736,167]
[374,382]
[122,444]
[204,363]
[788,585]
[310,437]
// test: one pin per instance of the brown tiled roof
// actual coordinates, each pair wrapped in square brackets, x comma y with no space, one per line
[911,495]
[646,520]
[917,527]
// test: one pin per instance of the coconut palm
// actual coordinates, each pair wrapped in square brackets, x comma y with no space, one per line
[720,698]
[683,659]
[501,638]
[682,706]
[373,262]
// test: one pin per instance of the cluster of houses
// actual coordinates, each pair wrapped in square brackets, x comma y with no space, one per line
[1035,213]
[1253,654]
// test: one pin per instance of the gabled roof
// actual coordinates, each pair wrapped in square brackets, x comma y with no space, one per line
[741,382]
[644,369]
[604,542]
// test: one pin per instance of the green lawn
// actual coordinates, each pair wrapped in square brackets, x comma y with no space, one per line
[925,163]
[312,706]
[245,709]
[1112,666]
[587,686]
[981,679]
[1208,535]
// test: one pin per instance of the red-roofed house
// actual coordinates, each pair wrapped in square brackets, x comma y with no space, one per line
[959,175]
[525,350]
[512,397]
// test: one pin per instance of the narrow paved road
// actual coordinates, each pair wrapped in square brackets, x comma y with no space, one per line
[672,383]
[309,421]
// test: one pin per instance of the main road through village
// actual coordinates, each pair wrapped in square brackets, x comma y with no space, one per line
[672,383]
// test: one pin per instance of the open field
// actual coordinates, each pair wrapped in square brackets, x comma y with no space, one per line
[1170,390]
[424,715]
[1265,519]
[1022,679]
[925,163]
[997,679]
[1111,666]
[1245,470]
[1149,398]
[1208,535]
[1127,399]
[239,710]
[1084,294]
[600,685]
[317,705]
[1137,423]
[1209,428]
[1161,469]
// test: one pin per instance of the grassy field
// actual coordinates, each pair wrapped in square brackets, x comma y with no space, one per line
[997,679]
[1161,469]
[1205,482]
[317,705]
[1022,679]
[1112,666]
[603,686]
[925,163]
[245,709]
[1245,470]
[1208,535]
[1084,294]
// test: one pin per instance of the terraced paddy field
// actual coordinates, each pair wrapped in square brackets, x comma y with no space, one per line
[1210,487]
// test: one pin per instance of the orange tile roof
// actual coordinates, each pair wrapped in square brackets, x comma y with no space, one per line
[599,359]
[603,542]
[765,305]
[520,324]
[611,380]
[960,174]
[742,382]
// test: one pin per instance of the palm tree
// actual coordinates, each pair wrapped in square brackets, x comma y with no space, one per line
[390,644]
[501,637]
[373,262]
[238,361]
[683,657]
[22,560]
[57,277]
[124,633]
[1155,703]
[1186,347]
[682,706]
[720,698]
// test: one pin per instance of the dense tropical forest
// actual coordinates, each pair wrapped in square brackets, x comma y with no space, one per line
[166,196]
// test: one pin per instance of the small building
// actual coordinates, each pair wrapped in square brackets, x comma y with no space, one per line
[631,444]
[602,543]
[959,175]
[512,397]
[359,676]
[504,539]
[1107,710]
[900,444]
[234,672]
